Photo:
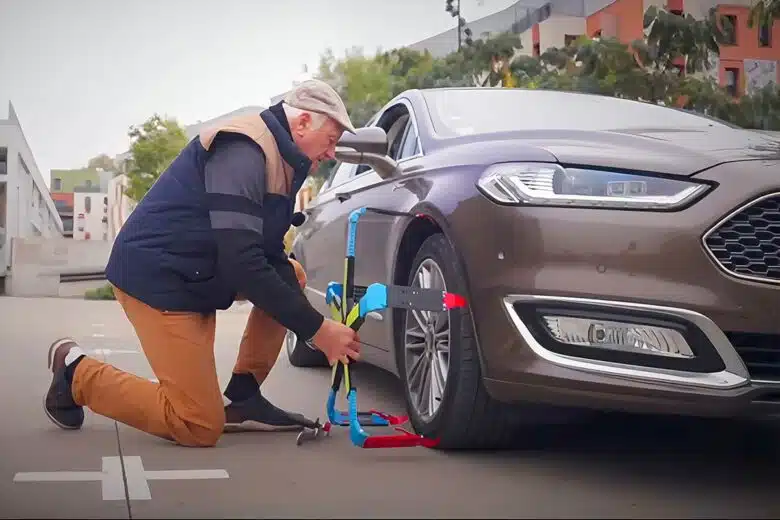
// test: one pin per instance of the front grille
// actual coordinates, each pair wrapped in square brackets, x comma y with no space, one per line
[747,244]
[760,352]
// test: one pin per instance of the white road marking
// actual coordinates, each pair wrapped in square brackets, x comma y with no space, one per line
[109,351]
[113,487]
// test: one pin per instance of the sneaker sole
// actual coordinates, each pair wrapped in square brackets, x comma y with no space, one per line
[255,426]
[55,421]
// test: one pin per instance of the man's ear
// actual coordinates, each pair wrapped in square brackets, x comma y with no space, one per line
[303,122]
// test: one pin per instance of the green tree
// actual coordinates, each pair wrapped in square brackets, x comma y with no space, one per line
[677,42]
[102,161]
[668,67]
[155,144]
[763,13]
[364,83]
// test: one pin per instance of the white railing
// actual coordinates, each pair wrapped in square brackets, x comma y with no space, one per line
[3,259]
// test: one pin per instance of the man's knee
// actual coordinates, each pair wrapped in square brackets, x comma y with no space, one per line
[201,428]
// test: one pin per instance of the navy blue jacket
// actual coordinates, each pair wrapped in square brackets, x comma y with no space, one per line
[212,227]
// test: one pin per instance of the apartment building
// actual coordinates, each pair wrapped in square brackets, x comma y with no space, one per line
[26,206]
[82,198]
[748,61]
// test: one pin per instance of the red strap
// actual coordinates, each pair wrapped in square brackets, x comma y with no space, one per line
[392,419]
[399,441]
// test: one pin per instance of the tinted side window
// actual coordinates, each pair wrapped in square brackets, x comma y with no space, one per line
[411,144]
[341,172]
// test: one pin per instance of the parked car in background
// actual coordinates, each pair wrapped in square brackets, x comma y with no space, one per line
[615,255]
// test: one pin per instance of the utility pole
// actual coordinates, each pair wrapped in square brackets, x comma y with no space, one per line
[455,13]
[459,27]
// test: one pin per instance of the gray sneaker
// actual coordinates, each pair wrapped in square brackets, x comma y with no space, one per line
[58,403]
[258,414]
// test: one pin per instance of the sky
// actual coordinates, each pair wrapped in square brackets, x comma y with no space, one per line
[81,72]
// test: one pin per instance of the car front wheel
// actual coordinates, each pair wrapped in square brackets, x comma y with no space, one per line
[439,365]
[300,354]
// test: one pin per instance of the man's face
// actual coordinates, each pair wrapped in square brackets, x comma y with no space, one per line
[320,144]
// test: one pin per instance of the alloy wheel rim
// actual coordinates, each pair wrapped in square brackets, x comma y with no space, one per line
[427,346]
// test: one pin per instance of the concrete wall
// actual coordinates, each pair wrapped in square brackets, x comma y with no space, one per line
[553,31]
[518,18]
[119,205]
[37,263]
[29,208]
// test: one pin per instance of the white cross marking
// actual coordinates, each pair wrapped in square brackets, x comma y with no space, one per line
[113,486]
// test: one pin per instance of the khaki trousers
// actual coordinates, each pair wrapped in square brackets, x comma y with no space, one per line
[186,405]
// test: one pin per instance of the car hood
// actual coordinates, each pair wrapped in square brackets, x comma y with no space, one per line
[682,152]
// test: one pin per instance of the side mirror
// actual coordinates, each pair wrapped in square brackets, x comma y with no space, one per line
[367,146]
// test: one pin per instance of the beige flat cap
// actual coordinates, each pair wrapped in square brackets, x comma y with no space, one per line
[318,96]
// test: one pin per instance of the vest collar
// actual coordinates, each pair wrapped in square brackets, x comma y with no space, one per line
[276,121]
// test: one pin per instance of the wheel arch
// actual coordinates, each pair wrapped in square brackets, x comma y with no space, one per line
[430,220]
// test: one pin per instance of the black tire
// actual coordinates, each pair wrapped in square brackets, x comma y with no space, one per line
[467,417]
[301,355]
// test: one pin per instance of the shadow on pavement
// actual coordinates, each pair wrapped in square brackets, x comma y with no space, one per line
[697,451]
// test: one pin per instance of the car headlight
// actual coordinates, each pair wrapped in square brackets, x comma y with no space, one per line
[553,185]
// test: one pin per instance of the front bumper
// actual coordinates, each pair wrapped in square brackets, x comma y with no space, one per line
[567,380]
[626,262]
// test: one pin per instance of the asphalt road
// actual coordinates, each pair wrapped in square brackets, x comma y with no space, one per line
[605,467]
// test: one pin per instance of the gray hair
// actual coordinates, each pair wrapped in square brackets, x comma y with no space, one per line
[317,119]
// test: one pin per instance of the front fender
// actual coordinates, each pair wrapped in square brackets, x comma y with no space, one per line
[430,210]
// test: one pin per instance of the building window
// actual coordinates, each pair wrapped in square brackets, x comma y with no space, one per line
[569,38]
[3,161]
[732,81]
[765,35]
[730,29]
[88,204]
[88,183]
[57,184]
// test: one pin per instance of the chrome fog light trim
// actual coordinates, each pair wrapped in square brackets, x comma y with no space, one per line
[734,375]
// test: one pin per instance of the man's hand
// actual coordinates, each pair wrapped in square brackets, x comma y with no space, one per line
[337,341]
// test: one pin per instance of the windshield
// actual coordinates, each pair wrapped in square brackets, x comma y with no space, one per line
[481,110]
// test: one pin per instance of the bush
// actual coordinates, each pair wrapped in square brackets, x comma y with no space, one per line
[101,293]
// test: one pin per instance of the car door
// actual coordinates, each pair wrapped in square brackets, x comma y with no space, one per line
[373,250]
[322,240]
[318,243]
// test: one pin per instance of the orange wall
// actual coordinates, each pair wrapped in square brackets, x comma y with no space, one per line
[732,56]
[64,197]
[625,16]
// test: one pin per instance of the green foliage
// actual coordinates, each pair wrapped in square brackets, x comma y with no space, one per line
[105,292]
[674,38]
[763,13]
[155,144]
[671,66]
[102,161]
